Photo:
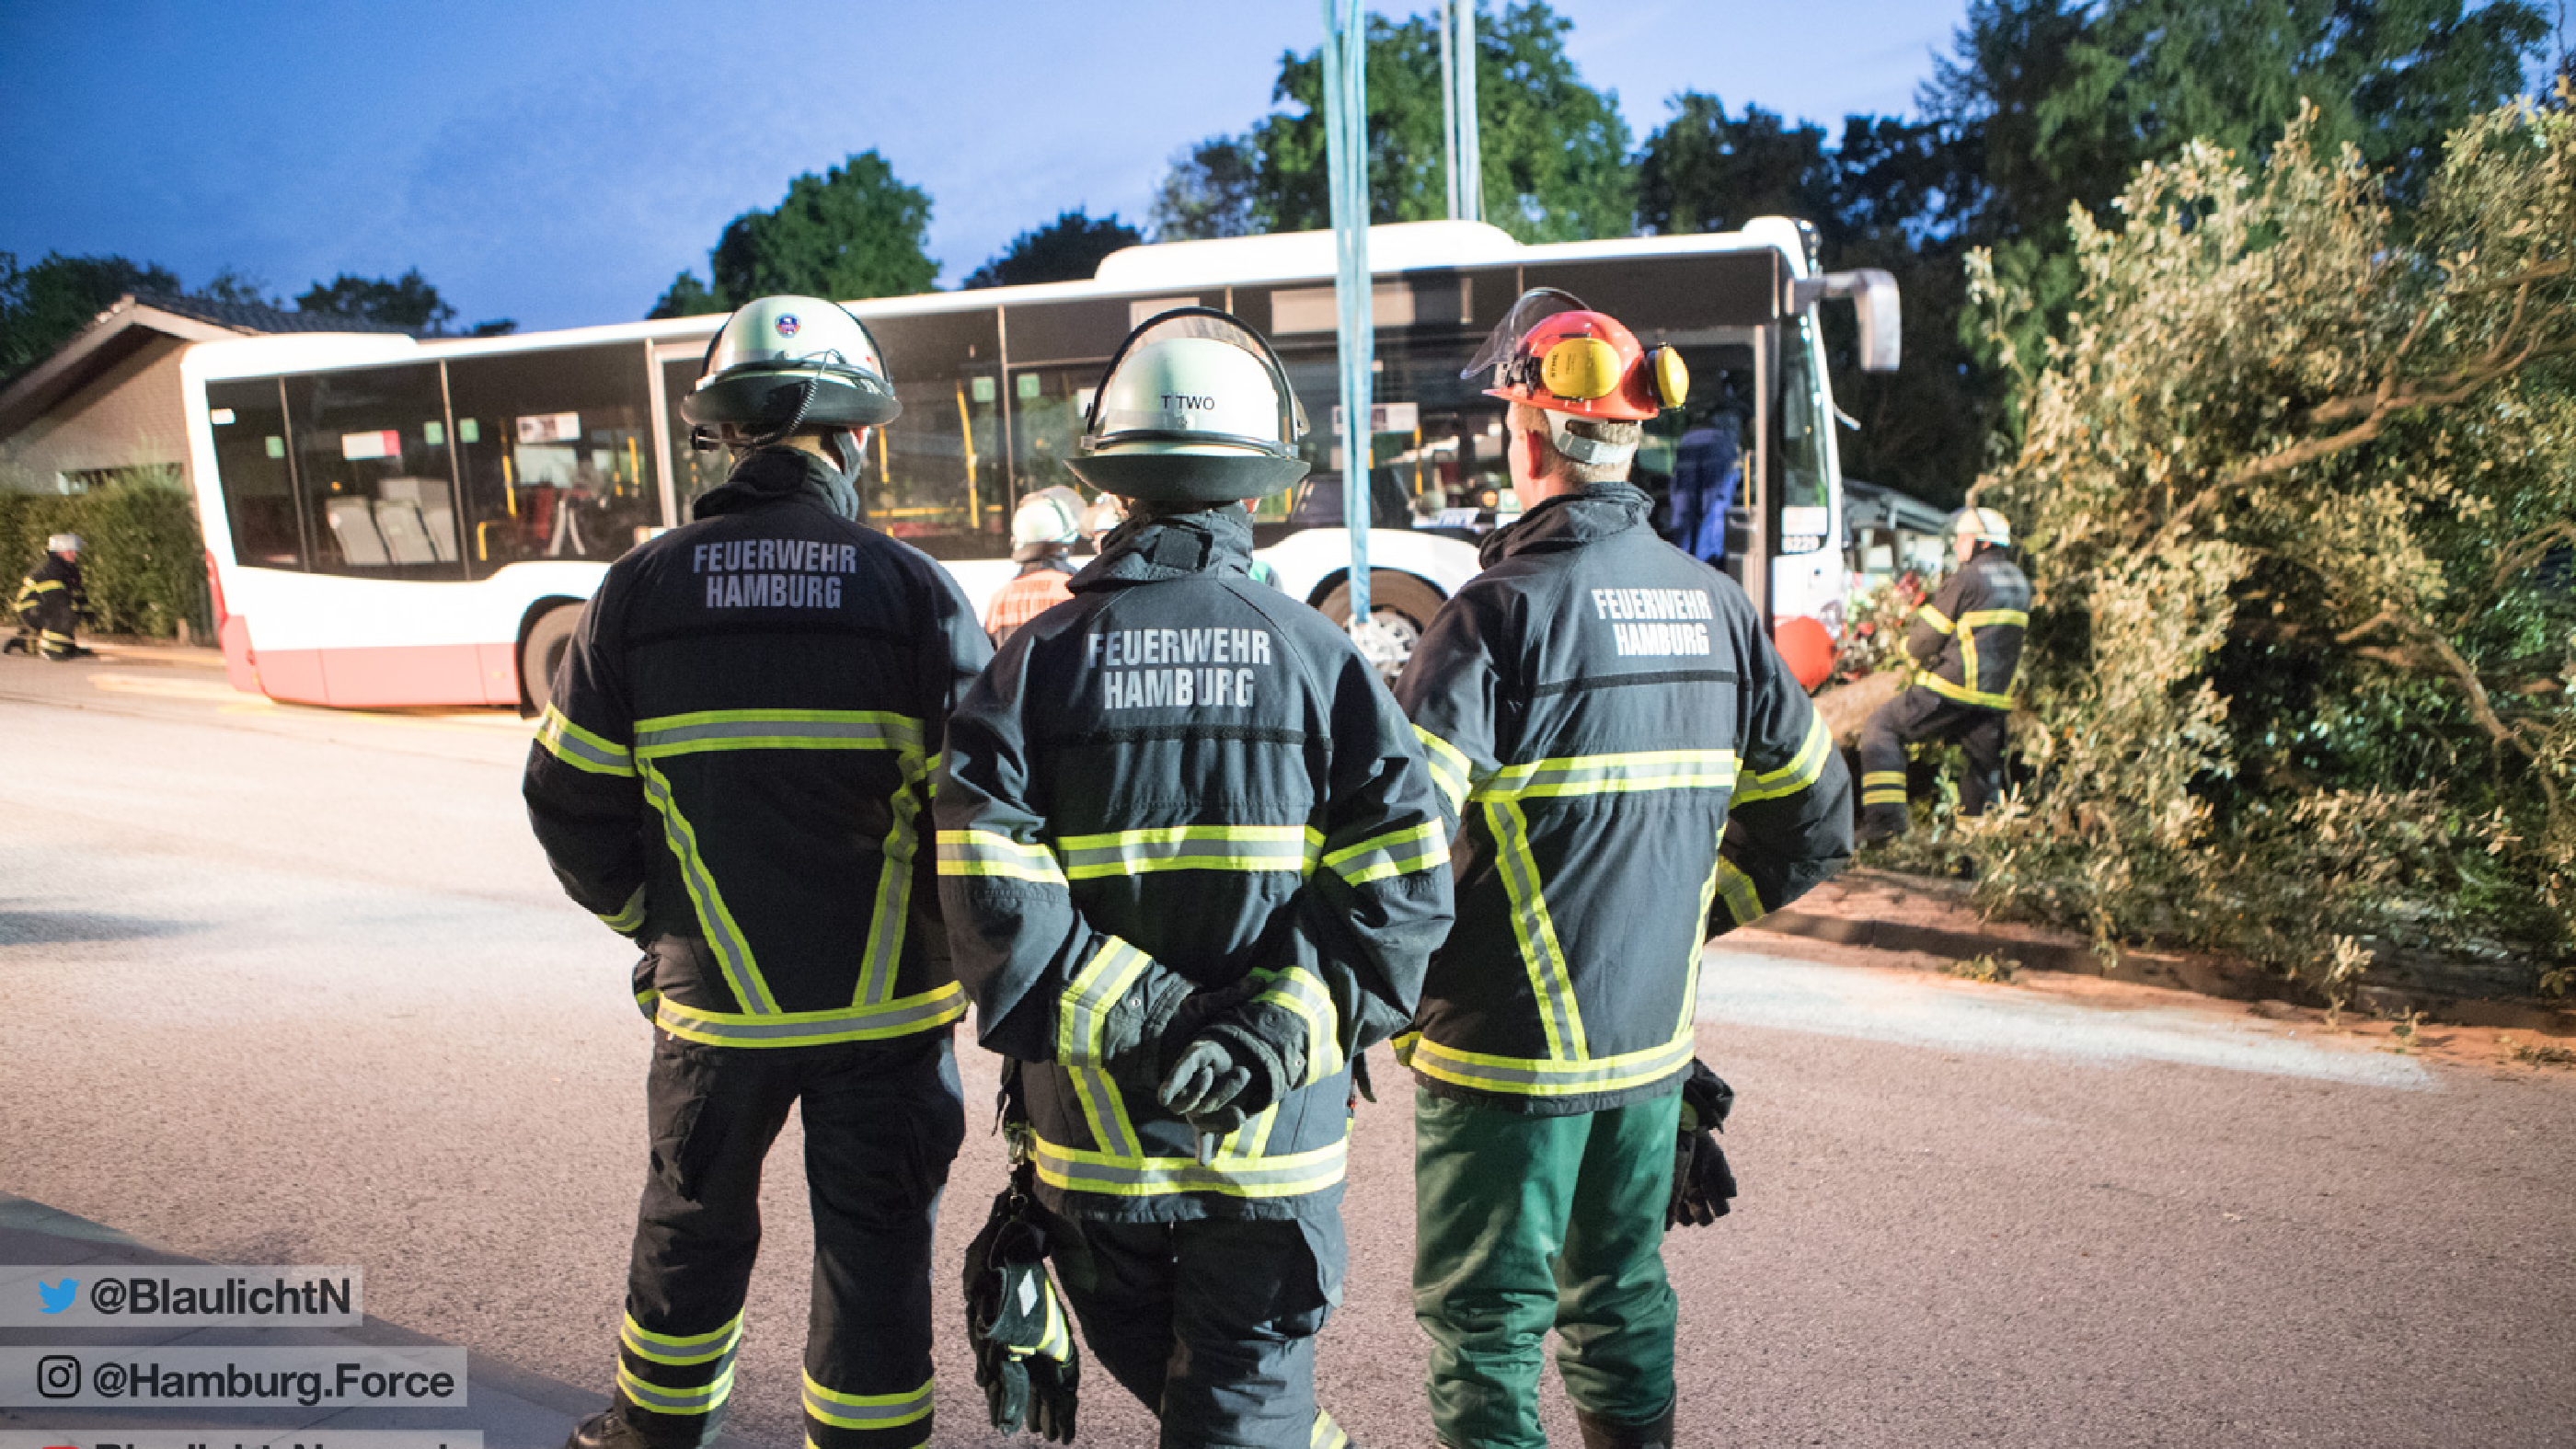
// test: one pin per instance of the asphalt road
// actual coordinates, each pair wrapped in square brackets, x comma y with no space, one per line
[287,986]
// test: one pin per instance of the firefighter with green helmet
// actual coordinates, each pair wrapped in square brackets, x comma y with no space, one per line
[1626,762]
[1193,867]
[1965,643]
[734,772]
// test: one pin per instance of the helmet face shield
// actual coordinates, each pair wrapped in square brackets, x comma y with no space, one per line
[1194,407]
[1504,343]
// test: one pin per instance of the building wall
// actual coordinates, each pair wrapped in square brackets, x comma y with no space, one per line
[129,417]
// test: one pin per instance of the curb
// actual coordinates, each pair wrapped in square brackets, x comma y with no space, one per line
[2039,949]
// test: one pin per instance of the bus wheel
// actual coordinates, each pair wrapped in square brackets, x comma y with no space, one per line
[542,651]
[1400,608]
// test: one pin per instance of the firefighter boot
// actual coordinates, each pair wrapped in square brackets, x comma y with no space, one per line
[1600,1433]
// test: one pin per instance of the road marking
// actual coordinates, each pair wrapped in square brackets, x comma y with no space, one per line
[169,688]
[1740,988]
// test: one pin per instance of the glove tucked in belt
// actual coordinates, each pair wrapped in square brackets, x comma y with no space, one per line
[1025,1359]
[1701,1181]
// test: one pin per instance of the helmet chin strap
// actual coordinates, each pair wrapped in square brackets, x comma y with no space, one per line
[850,446]
[1586,450]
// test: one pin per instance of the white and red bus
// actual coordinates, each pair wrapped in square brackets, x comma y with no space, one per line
[392,521]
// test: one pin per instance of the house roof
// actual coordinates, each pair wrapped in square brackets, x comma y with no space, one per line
[132,324]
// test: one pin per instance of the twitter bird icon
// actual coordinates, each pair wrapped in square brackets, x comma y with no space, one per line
[57,1296]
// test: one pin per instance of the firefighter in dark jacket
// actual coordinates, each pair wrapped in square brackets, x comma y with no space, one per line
[1192,866]
[50,602]
[734,771]
[1628,763]
[1966,643]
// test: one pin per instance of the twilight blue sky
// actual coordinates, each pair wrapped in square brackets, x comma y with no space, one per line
[558,161]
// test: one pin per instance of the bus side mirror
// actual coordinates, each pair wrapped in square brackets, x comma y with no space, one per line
[1872,294]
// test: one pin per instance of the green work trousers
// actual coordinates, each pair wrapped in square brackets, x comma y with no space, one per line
[1526,1223]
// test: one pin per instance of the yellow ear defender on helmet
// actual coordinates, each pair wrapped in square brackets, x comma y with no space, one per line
[1669,374]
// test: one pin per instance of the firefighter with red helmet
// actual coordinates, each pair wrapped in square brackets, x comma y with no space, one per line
[1624,760]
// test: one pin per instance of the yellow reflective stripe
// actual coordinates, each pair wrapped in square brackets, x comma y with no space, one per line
[1398,852]
[52,636]
[1327,1434]
[580,748]
[1963,694]
[866,1411]
[702,1400]
[1987,618]
[38,586]
[1081,1044]
[1292,1175]
[1249,1140]
[893,914]
[1613,774]
[1882,777]
[1301,991]
[1968,660]
[1743,902]
[904,1016]
[1939,621]
[1797,775]
[680,1350]
[989,852]
[629,916]
[777,729]
[1523,1077]
[724,937]
[1550,980]
[1450,771]
[1056,1341]
[1190,847]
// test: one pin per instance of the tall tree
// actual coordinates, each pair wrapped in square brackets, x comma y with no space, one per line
[42,305]
[855,231]
[1067,249]
[1555,150]
[1210,191]
[1703,170]
[686,297]
[408,301]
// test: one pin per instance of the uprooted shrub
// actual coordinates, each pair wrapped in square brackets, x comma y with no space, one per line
[2299,491]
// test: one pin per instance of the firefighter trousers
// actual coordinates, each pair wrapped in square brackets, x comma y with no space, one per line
[882,1121]
[45,627]
[1210,1322]
[1916,715]
[1526,1223]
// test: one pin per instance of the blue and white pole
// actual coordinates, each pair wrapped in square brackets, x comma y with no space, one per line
[1345,59]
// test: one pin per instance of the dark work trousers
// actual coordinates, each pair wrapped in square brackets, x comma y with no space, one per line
[882,1121]
[1210,1322]
[1919,714]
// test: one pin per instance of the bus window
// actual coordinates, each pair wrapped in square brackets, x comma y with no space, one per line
[1694,458]
[1047,407]
[252,472]
[1806,432]
[555,448]
[693,470]
[936,476]
[378,485]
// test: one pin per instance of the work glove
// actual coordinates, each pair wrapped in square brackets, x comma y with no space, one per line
[1701,1181]
[1247,1056]
[1025,1360]
[1138,1028]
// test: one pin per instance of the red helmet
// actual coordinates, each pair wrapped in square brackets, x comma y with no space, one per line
[1584,363]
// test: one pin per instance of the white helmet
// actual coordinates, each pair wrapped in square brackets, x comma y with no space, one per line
[1106,514]
[1194,408]
[63,543]
[783,365]
[1047,519]
[1982,524]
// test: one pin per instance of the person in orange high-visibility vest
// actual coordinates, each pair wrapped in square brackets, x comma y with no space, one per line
[1043,534]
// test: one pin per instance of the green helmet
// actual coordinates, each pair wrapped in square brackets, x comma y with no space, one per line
[782,365]
[1194,408]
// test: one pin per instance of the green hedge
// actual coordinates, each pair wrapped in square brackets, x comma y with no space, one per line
[144,565]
